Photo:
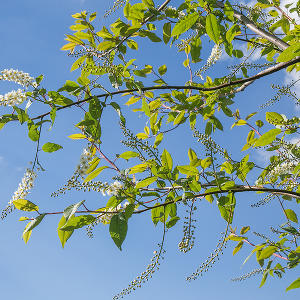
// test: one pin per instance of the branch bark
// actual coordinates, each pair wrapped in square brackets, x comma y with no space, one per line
[253,27]
[246,81]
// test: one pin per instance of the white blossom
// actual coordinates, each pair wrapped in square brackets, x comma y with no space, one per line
[181,14]
[215,55]
[105,218]
[85,158]
[18,77]
[12,98]
[112,189]
[25,185]
[280,169]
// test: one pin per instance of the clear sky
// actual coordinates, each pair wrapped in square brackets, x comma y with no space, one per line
[32,33]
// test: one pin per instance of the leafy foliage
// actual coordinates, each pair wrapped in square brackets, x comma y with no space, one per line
[155,181]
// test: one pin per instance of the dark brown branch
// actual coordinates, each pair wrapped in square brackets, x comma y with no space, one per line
[263,73]
[234,190]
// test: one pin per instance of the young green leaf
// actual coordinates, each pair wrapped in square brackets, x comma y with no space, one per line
[63,235]
[267,138]
[77,222]
[25,205]
[185,24]
[71,210]
[128,154]
[166,160]
[94,174]
[145,182]
[118,229]
[51,147]
[212,28]
[291,215]
[294,285]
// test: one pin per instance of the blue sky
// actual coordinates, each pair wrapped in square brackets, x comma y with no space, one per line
[32,33]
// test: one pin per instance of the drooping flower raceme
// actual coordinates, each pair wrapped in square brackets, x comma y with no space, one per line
[18,77]
[23,190]
[85,158]
[12,98]
[105,218]
[215,55]
[15,97]
[113,189]
[285,168]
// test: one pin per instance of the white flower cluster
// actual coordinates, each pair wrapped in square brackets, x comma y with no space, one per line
[181,14]
[18,77]
[112,189]
[215,55]
[25,185]
[105,218]
[12,98]
[283,168]
[15,97]
[85,159]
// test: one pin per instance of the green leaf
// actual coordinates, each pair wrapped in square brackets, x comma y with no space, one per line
[158,139]
[132,44]
[172,222]
[35,222]
[245,229]
[63,235]
[212,28]
[117,108]
[95,108]
[22,115]
[188,170]
[205,163]
[239,123]
[118,229]
[274,118]
[145,182]
[138,168]
[157,213]
[179,118]
[77,136]
[77,222]
[267,138]
[71,210]
[166,32]
[149,3]
[23,219]
[294,285]
[267,252]
[145,107]
[69,86]
[289,53]
[142,136]
[25,205]
[291,215]
[26,234]
[128,154]
[51,147]
[162,69]
[185,24]
[129,210]
[94,174]
[166,160]
[237,248]
[226,205]
[93,165]
[33,133]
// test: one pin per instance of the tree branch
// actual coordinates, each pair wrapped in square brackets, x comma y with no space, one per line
[239,189]
[253,27]
[246,81]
